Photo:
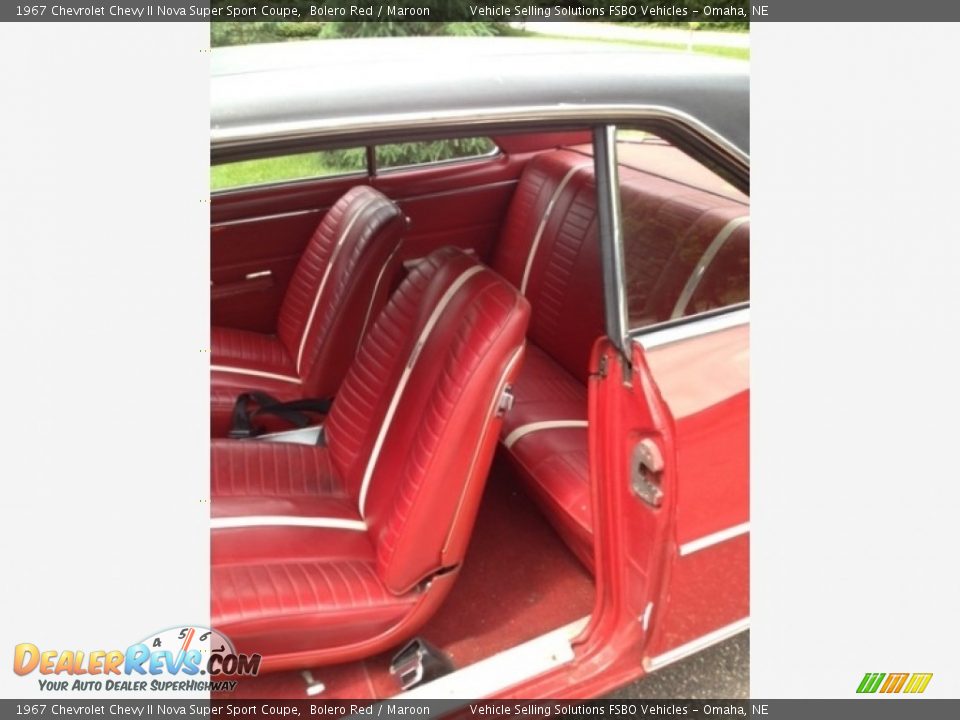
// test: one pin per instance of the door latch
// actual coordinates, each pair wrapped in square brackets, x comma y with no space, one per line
[646,468]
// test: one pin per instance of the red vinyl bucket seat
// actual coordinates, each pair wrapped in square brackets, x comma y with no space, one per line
[324,554]
[339,285]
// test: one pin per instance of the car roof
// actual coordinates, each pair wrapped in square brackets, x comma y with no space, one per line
[271,84]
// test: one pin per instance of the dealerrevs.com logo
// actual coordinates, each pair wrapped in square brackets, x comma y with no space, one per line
[890,683]
[181,659]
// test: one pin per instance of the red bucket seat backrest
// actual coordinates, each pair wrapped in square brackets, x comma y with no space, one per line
[336,288]
[413,429]
[549,250]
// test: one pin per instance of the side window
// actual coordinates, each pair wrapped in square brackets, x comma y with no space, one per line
[398,155]
[330,163]
[285,168]
[686,233]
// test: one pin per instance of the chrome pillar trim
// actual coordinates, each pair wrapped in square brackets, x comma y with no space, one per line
[611,236]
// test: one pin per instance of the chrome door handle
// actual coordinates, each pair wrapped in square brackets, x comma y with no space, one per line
[646,467]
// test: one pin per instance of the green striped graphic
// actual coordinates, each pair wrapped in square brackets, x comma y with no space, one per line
[871,682]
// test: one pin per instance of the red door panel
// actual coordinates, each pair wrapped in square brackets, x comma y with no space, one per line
[257,236]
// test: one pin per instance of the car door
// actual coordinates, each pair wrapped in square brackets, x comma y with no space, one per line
[672,469]
[669,416]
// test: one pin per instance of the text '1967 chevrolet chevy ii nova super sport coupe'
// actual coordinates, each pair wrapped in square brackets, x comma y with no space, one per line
[480,371]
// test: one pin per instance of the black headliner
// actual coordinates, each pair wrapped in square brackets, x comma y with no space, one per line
[272,84]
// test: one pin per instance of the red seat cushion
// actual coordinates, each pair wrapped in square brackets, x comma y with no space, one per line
[554,464]
[544,391]
[298,589]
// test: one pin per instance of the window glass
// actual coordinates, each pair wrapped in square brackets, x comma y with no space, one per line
[686,233]
[422,153]
[302,166]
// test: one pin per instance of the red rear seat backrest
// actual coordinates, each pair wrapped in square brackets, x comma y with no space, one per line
[420,492]
[551,227]
[549,248]
[338,285]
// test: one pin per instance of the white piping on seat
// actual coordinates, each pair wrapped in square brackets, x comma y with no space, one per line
[543,224]
[373,296]
[255,373]
[287,521]
[489,417]
[404,378]
[510,440]
[326,275]
[708,255]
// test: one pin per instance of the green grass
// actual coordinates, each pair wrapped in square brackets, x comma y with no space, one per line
[718,50]
[277,169]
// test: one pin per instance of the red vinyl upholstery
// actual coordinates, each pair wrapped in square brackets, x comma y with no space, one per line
[549,249]
[322,554]
[341,282]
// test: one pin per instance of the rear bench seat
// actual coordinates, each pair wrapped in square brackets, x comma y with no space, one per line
[549,250]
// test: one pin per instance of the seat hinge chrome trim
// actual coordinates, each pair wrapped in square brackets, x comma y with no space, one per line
[505,404]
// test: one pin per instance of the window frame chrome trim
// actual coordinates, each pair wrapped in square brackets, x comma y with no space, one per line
[693,326]
[371,170]
[261,218]
[224,140]
[493,154]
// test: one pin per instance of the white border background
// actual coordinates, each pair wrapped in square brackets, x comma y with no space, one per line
[855,356]
[104,289]
[104,297]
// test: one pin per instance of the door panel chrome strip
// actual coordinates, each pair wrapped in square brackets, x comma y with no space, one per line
[695,646]
[694,327]
[714,539]
[261,218]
